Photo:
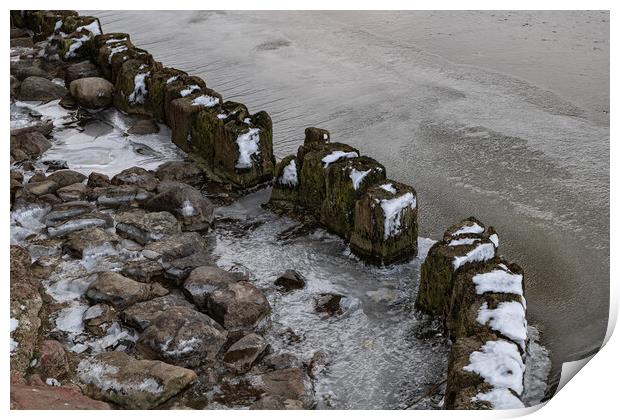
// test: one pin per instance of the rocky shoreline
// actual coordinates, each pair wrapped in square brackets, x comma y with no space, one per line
[142,317]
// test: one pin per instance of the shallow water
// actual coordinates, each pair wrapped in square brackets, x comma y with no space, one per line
[501,115]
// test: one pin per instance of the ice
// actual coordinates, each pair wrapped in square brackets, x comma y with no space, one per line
[498,281]
[475,228]
[139,91]
[499,364]
[508,319]
[500,399]
[74,225]
[93,312]
[248,146]
[58,25]
[14,325]
[114,334]
[99,375]
[337,155]
[68,289]
[463,241]
[187,91]
[69,319]
[27,221]
[481,253]
[206,100]
[289,174]
[188,209]
[388,187]
[393,209]
[357,177]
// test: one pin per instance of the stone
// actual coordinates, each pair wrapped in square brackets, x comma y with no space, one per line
[239,306]
[244,353]
[156,85]
[120,291]
[42,127]
[144,271]
[138,177]
[32,143]
[19,32]
[345,183]
[14,86]
[205,280]
[138,384]
[62,212]
[23,72]
[144,126]
[35,88]
[285,191]
[25,42]
[66,177]
[182,336]
[25,304]
[180,86]
[97,180]
[43,397]
[131,90]
[313,170]
[81,222]
[175,246]
[121,195]
[271,402]
[290,280]
[193,209]
[52,361]
[80,70]
[329,303]
[140,315]
[98,318]
[280,361]
[144,227]
[73,192]
[185,172]
[92,92]
[286,383]
[385,230]
[41,188]
[179,269]
[85,241]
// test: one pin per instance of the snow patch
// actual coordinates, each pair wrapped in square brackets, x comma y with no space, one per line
[189,90]
[357,177]
[388,187]
[248,146]
[463,241]
[92,27]
[172,79]
[14,325]
[500,399]
[337,155]
[116,50]
[495,239]
[139,90]
[100,375]
[475,228]
[289,174]
[52,382]
[393,210]
[481,253]
[508,319]
[69,319]
[499,364]
[499,281]
[206,100]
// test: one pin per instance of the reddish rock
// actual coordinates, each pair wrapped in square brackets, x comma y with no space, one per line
[35,397]
[52,360]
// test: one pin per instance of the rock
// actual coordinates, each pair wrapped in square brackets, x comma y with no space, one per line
[185,172]
[138,177]
[271,402]
[32,143]
[37,177]
[66,177]
[182,84]
[42,127]
[121,195]
[62,212]
[156,85]
[317,364]
[386,224]
[131,383]
[144,227]
[52,361]
[239,306]
[25,304]
[182,336]
[280,361]
[144,126]
[80,70]
[24,72]
[51,199]
[41,188]
[14,87]
[345,183]
[35,88]
[286,383]
[85,241]
[98,318]
[179,269]
[243,353]
[19,33]
[140,315]
[25,42]
[131,89]
[81,222]
[205,280]
[316,136]
[55,165]
[42,397]
[176,246]
[194,210]
[144,271]
[97,180]
[290,280]
[329,303]
[92,92]
[73,192]
[121,292]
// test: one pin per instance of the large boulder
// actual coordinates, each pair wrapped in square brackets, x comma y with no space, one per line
[140,315]
[92,92]
[132,383]
[245,352]
[182,336]
[80,70]
[345,183]
[178,85]
[179,171]
[193,209]
[82,242]
[386,224]
[144,227]
[66,177]
[120,291]
[136,176]
[156,85]
[35,88]
[44,397]
[175,246]
[240,306]
[32,144]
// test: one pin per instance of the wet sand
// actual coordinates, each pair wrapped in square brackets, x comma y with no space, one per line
[501,115]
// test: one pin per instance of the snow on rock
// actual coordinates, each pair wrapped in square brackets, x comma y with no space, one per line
[139,90]
[52,382]
[388,187]
[116,50]
[206,100]
[357,177]
[58,25]
[463,241]
[248,146]
[77,43]
[14,325]
[393,210]
[499,281]
[481,253]
[499,364]
[101,376]
[188,209]
[500,399]
[337,155]
[189,90]
[172,79]
[289,174]
[475,228]
[495,239]
[114,40]
[508,319]
[69,319]
[92,27]
[222,116]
